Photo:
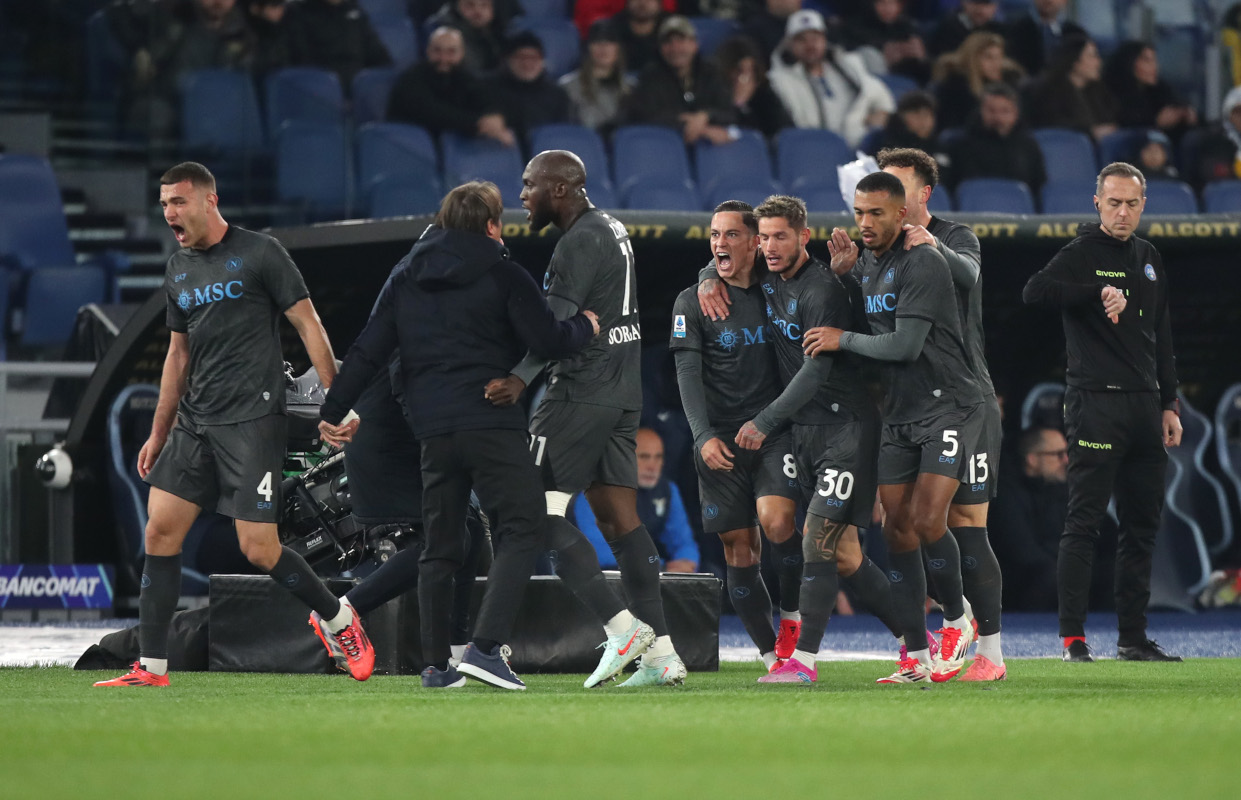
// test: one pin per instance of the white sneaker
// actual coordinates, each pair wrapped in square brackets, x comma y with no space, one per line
[666,670]
[909,670]
[619,651]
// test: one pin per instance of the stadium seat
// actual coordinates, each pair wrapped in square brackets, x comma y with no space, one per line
[748,190]
[53,297]
[312,169]
[1170,197]
[656,192]
[33,230]
[562,45]
[1182,58]
[1067,154]
[1199,493]
[746,157]
[823,199]
[586,144]
[1043,406]
[382,10]
[898,85]
[940,202]
[1073,197]
[870,142]
[468,159]
[403,195]
[4,315]
[807,156]
[994,196]
[305,94]
[400,38]
[369,92]
[1122,145]
[1222,197]
[394,150]
[107,65]
[545,9]
[220,113]
[603,195]
[712,32]
[639,150]
[1227,432]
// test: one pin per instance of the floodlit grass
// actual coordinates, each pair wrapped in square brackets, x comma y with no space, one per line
[1052,730]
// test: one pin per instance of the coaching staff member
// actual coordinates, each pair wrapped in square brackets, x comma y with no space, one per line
[1120,410]
[223,387]
[460,315]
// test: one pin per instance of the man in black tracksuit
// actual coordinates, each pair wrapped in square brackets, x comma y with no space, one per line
[1120,408]
[460,315]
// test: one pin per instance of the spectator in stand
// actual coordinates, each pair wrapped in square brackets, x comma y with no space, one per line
[637,27]
[884,27]
[440,95]
[587,12]
[970,17]
[598,87]
[995,145]
[422,10]
[481,29]
[913,125]
[755,104]
[522,92]
[822,86]
[682,90]
[1070,94]
[335,35]
[961,75]
[1143,99]
[1218,153]
[766,25]
[660,508]
[1034,37]
[271,36]
[1154,157]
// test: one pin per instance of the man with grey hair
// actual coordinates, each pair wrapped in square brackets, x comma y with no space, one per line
[1121,407]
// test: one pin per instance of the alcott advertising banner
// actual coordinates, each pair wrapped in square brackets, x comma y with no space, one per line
[56,585]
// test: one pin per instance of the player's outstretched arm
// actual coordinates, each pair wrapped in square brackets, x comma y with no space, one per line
[172,385]
[903,344]
[1058,285]
[310,328]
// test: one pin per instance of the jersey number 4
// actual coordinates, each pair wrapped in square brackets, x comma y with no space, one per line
[264,487]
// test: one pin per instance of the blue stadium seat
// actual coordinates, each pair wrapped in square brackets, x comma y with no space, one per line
[1182,60]
[562,44]
[823,198]
[1200,494]
[312,169]
[1170,197]
[400,38]
[1222,197]
[378,10]
[305,94]
[545,9]
[870,142]
[994,195]
[53,297]
[1071,197]
[747,189]
[1043,406]
[467,159]
[107,65]
[4,315]
[745,157]
[1067,154]
[807,156]
[603,195]
[395,150]
[941,201]
[639,150]
[220,113]
[403,196]
[662,193]
[899,85]
[712,32]
[33,231]
[588,146]
[1122,145]
[369,91]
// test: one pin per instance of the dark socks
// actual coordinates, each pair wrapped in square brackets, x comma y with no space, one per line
[819,585]
[980,577]
[944,559]
[908,596]
[874,592]
[753,605]
[578,566]
[161,588]
[486,646]
[638,561]
[394,578]
[294,574]
[786,557]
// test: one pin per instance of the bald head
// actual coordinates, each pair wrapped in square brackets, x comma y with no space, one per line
[554,189]
[445,49]
[561,166]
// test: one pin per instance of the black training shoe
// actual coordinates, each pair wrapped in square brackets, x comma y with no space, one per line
[436,678]
[1077,651]
[490,668]
[1146,651]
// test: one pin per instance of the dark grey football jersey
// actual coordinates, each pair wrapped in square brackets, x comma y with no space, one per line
[592,267]
[228,299]
[961,239]
[738,363]
[916,283]
[813,298]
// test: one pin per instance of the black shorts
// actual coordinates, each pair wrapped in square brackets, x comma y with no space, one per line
[234,469]
[941,445]
[837,468]
[577,445]
[728,497]
[981,484]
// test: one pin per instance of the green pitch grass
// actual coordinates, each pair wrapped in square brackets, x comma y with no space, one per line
[1100,730]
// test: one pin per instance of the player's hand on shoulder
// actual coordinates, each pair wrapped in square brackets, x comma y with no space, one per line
[750,437]
[504,391]
[843,251]
[716,455]
[149,452]
[594,320]
[821,340]
[713,298]
[916,235]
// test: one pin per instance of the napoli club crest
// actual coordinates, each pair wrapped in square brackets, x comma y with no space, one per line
[233,264]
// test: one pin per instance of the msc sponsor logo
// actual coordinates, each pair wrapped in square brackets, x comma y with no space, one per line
[728,339]
[624,333]
[789,329]
[1109,273]
[879,303]
[1094,445]
[547,280]
[209,294]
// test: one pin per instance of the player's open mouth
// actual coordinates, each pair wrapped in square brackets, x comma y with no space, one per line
[178,232]
[723,259]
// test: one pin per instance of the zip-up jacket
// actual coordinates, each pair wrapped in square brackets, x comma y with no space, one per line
[1133,355]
